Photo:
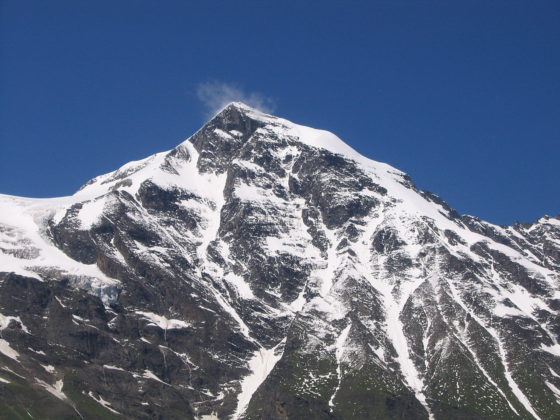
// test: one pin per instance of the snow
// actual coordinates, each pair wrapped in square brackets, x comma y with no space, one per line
[111,367]
[215,185]
[549,220]
[5,381]
[511,382]
[102,402]
[29,217]
[7,369]
[243,288]
[327,275]
[48,368]
[91,212]
[10,264]
[521,397]
[134,172]
[307,135]
[209,417]
[55,389]
[554,390]
[379,352]
[8,351]
[233,313]
[466,342]
[553,373]
[299,302]
[163,322]
[394,300]
[339,353]
[5,321]
[329,306]
[148,374]
[260,365]
[394,294]
[78,318]
[507,311]
[395,330]
[223,134]
[322,139]
[246,192]
[553,349]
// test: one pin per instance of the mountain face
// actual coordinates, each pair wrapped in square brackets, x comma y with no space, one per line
[265,270]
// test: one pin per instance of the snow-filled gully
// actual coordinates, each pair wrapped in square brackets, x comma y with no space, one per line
[395,330]
[261,364]
[464,340]
[393,308]
[521,397]
[263,360]
[339,353]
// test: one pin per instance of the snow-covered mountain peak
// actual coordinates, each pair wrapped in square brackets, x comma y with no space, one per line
[243,107]
[312,137]
[224,139]
[264,269]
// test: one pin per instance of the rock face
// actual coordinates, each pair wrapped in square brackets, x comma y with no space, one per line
[265,270]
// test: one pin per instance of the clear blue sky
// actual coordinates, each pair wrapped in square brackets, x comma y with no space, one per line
[462,95]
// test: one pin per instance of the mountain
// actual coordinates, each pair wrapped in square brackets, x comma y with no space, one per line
[265,270]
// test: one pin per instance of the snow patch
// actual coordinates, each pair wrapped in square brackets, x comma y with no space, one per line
[48,368]
[163,322]
[5,321]
[111,367]
[91,213]
[103,403]
[339,353]
[55,389]
[554,390]
[148,374]
[243,288]
[507,311]
[553,349]
[261,364]
[6,350]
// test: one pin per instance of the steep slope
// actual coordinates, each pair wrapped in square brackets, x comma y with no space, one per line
[265,270]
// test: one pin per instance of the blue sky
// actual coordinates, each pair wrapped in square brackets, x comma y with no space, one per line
[462,95]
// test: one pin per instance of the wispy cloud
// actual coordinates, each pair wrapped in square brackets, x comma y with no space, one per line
[215,95]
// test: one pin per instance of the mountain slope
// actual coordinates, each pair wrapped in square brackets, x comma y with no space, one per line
[265,270]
